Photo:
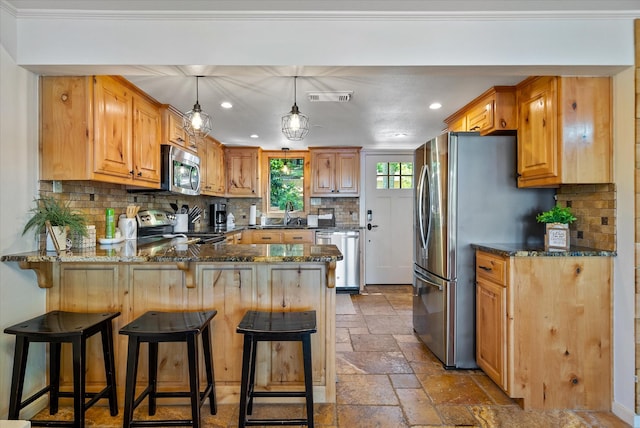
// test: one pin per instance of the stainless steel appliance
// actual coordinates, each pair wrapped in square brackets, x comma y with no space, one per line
[179,171]
[466,192]
[347,269]
[157,225]
[218,216]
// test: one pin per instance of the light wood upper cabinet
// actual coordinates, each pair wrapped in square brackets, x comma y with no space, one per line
[493,112]
[543,329]
[243,171]
[99,128]
[335,172]
[172,130]
[564,131]
[147,126]
[211,154]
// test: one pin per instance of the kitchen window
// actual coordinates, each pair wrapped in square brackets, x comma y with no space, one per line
[394,175]
[287,176]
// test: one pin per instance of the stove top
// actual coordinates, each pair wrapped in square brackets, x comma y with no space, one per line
[157,225]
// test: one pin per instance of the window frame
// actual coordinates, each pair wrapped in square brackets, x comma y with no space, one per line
[267,155]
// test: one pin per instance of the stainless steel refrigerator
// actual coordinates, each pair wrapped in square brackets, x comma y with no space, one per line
[466,192]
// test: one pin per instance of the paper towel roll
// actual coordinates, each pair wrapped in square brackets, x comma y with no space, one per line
[252,215]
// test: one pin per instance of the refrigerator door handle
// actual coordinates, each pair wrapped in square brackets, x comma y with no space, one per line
[423,176]
[427,281]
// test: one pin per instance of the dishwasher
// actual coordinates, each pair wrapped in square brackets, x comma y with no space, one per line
[347,269]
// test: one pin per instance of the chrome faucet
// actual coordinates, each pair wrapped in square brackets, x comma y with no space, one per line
[288,208]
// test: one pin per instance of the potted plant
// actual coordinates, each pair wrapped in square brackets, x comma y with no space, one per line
[557,222]
[60,216]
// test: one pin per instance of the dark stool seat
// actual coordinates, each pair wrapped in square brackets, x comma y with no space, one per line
[275,326]
[155,327]
[55,328]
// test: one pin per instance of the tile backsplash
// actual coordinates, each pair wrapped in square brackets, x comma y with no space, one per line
[594,206]
[92,198]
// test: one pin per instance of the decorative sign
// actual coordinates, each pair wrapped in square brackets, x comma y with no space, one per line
[557,237]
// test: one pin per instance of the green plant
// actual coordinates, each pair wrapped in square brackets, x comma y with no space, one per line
[58,213]
[557,214]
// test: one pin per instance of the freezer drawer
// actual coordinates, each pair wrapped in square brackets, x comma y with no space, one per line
[348,269]
[430,315]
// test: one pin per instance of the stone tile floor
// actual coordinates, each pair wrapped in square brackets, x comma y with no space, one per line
[387,378]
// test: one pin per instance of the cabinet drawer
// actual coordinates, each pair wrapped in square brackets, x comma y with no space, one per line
[298,237]
[266,237]
[493,268]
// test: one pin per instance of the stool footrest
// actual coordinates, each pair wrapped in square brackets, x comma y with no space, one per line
[163,423]
[283,422]
[279,394]
[43,423]
[34,397]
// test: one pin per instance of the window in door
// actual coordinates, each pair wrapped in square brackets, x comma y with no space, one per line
[394,175]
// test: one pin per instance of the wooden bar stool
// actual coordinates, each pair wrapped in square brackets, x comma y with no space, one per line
[56,328]
[275,326]
[155,327]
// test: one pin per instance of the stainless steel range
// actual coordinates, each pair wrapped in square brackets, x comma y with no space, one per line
[155,225]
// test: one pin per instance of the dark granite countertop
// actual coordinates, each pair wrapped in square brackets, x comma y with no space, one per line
[172,250]
[528,250]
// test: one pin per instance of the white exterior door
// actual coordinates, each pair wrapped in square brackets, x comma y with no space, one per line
[388,209]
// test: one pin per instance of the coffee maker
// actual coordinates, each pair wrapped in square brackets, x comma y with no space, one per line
[218,216]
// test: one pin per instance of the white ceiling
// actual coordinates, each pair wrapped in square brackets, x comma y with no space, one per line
[386,101]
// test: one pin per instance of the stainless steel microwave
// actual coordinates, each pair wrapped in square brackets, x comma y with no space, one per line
[180,171]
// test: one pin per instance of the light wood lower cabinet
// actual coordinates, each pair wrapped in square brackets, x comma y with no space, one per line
[231,289]
[544,329]
[278,236]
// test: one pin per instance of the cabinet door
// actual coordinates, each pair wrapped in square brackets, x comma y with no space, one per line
[212,158]
[491,318]
[242,172]
[112,153]
[176,133]
[538,156]
[480,118]
[147,127]
[323,173]
[348,173]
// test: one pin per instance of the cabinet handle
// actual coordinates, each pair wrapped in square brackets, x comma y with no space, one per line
[140,174]
[297,237]
[503,123]
[266,238]
[131,172]
[485,268]
[474,128]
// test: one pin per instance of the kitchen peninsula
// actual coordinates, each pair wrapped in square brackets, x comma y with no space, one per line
[176,276]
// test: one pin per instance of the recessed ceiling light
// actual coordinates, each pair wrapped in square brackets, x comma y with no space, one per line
[401,135]
[254,136]
[226,104]
[435,106]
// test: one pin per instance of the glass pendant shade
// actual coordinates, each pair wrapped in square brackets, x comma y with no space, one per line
[295,125]
[196,122]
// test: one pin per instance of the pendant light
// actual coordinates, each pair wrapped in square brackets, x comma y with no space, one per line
[196,122]
[295,125]
[285,164]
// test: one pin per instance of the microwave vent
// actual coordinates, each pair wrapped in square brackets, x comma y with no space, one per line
[330,96]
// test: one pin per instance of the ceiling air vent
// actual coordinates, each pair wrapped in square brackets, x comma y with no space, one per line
[330,97]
